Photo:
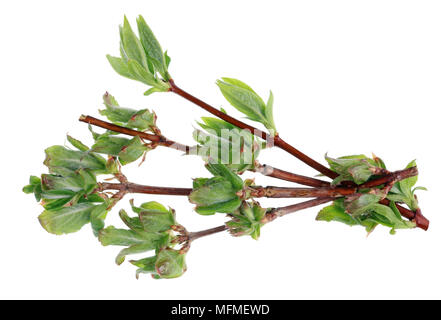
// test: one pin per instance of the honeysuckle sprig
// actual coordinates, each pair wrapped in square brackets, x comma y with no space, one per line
[85,181]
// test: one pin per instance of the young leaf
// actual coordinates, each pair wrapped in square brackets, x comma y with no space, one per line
[402,190]
[146,265]
[152,47]
[34,187]
[110,145]
[357,168]
[141,59]
[335,212]
[138,119]
[122,237]
[221,170]
[247,220]
[67,219]
[77,143]
[246,100]
[170,263]
[224,143]
[215,195]
[59,158]
[154,219]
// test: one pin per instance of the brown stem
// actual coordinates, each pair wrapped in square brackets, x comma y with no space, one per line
[279,212]
[158,139]
[279,142]
[137,188]
[199,234]
[288,176]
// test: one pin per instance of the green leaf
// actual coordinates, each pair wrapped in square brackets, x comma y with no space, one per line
[403,190]
[141,59]
[77,143]
[141,74]
[120,66]
[359,204]
[152,47]
[155,217]
[55,182]
[223,171]
[221,207]
[122,237]
[269,113]
[409,182]
[335,212]
[133,151]
[66,220]
[244,99]
[131,44]
[357,168]
[170,263]
[110,145]
[138,119]
[146,265]
[167,59]
[132,222]
[224,143]
[58,158]
[54,199]
[134,249]
[373,214]
[114,112]
[246,220]
[97,217]
[387,216]
[34,187]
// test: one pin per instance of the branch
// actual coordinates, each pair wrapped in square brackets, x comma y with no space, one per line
[281,192]
[421,221]
[279,212]
[279,142]
[162,141]
[199,234]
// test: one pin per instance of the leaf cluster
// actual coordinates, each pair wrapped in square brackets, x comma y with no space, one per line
[141,57]
[150,230]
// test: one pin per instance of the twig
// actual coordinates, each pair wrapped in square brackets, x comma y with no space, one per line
[279,212]
[162,141]
[421,222]
[288,176]
[199,234]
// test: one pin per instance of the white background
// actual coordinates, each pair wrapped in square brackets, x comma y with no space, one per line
[348,77]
